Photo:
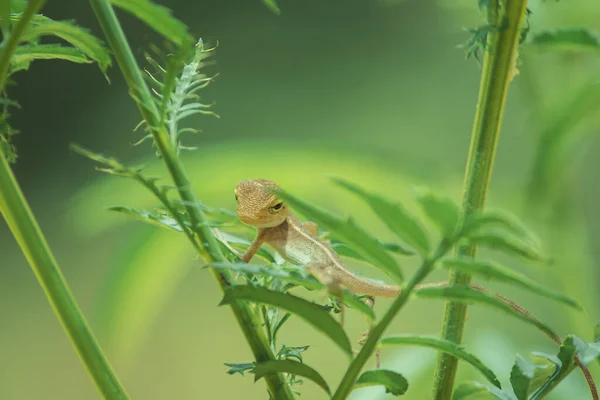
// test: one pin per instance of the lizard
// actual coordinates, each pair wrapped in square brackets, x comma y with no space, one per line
[298,242]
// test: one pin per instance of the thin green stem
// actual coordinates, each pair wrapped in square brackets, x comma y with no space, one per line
[25,229]
[358,363]
[249,323]
[498,69]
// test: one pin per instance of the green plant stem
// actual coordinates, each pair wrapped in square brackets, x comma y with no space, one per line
[25,229]
[358,363]
[498,64]
[249,323]
[30,238]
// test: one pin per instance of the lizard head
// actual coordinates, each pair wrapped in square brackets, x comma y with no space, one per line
[257,205]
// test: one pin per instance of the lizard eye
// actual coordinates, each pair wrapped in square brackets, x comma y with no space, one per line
[278,206]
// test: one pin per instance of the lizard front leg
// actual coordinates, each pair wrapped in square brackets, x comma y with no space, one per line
[254,246]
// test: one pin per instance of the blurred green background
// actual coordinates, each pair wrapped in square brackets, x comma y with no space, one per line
[374,91]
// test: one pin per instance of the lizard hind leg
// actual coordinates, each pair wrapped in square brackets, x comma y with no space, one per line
[332,285]
[370,301]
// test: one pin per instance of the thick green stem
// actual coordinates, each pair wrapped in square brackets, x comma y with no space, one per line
[25,229]
[249,323]
[351,375]
[30,238]
[498,69]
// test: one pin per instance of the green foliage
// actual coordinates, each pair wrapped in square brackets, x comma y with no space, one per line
[464,294]
[156,17]
[535,381]
[296,276]
[495,271]
[272,5]
[396,217]
[502,241]
[239,368]
[393,382]
[440,210]
[25,54]
[571,39]
[446,347]
[350,233]
[290,367]
[521,375]
[176,89]
[312,313]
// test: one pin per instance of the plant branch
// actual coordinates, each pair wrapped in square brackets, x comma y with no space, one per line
[498,69]
[358,363]
[25,229]
[249,323]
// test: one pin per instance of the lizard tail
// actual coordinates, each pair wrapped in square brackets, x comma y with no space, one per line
[360,285]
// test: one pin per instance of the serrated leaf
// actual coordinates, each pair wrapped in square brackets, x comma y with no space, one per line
[393,382]
[445,346]
[543,370]
[495,271]
[350,233]
[77,36]
[290,367]
[394,215]
[564,363]
[156,17]
[291,352]
[464,294]
[506,243]
[478,391]
[239,368]
[440,210]
[572,38]
[310,312]
[587,352]
[25,54]
[521,375]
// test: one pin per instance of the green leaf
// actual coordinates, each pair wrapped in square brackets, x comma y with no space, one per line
[440,210]
[77,36]
[154,218]
[543,370]
[346,251]
[239,243]
[572,38]
[504,242]
[564,363]
[25,54]
[239,368]
[477,391]
[445,346]
[156,17]
[397,219]
[291,352]
[464,294]
[350,233]
[310,312]
[485,219]
[521,375]
[272,5]
[495,271]
[393,382]
[290,367]
[587,352]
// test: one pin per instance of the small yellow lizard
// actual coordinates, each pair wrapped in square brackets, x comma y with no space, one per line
[295,241]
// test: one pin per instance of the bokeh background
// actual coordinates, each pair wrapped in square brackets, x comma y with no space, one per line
[374,91]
